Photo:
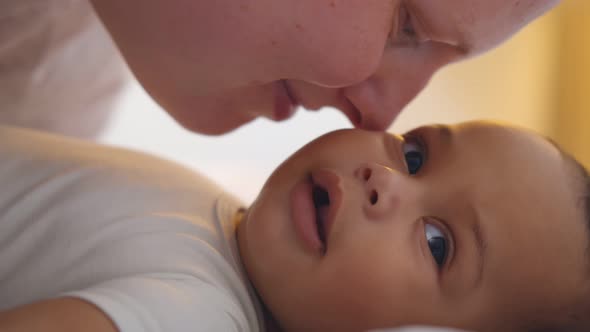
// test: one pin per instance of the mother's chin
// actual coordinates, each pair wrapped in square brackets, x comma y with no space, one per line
[221,112]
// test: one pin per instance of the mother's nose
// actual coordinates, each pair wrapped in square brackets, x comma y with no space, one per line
[401,75]
[384,190]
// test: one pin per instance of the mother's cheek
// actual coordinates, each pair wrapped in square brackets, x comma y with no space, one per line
[337,53]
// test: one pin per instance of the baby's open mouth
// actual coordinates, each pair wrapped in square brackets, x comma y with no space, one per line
[315,202]
[326,197]
[321,202]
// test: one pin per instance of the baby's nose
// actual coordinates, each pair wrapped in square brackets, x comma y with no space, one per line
[383,190]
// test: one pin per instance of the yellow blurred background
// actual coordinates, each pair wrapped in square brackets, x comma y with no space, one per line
[572,111]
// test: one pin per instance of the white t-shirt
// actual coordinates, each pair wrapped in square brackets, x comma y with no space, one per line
[150,243]
[59,69]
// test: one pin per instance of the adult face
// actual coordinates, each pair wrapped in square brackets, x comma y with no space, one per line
[461,226]
[215,65]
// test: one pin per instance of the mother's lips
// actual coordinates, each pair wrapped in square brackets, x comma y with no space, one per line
[305,212]
[285,103]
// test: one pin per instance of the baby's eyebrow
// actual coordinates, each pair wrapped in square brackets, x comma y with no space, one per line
[481,244]
[476,236]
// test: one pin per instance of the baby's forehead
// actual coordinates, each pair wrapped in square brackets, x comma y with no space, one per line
[541,180]
[580,185]
[576,177]
[526,145]
[538,233]
[527,195]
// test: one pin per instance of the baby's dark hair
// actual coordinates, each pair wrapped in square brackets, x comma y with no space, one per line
[577,317]
[584,202]
[586,205]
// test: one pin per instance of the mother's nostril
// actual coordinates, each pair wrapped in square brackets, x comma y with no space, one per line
[367,174]
[374,197]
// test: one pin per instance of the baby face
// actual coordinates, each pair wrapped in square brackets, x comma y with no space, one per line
[467,226]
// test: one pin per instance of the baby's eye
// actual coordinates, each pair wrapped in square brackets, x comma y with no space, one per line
[437,243]
[414,154]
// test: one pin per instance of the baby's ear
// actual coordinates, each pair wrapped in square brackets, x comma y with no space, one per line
[419,329]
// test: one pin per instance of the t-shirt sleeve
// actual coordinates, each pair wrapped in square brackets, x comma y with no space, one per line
[137,236]
[165,303]
[419,329]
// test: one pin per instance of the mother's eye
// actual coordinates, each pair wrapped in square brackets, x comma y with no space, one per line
[437,243]
[406,26]
[414,154]
[405,30]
